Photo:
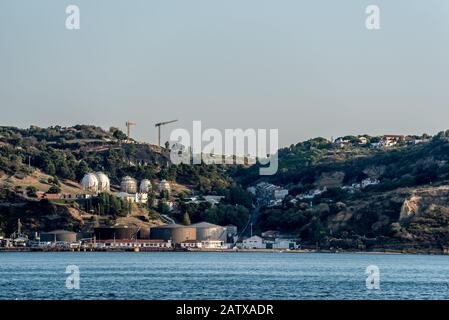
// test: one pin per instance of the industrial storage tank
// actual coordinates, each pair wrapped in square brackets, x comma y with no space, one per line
[175,232]
[164,185]
[103,182]
[58,236]
[145,186]
[90,182]
[232,233]
[129,185]
[208,231]
[116,232]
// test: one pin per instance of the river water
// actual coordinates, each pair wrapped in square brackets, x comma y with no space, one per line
[179,275]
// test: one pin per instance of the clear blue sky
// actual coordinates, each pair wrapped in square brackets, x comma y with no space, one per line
[308,68]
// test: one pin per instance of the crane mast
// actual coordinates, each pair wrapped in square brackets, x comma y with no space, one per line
[158,126]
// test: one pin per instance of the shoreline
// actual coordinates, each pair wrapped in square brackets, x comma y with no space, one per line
[298,251]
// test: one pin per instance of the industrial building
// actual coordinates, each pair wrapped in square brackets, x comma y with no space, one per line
[175,232]
[232,233]
[123,244]
[206,244]
[133,198]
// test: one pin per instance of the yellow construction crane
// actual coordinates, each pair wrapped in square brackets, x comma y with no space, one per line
[158,126]
[129,124]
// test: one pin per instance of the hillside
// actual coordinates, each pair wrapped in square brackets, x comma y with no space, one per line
[41,161]
[404,206]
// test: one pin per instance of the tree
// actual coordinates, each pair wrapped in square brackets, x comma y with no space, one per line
[150,201]
[54,190]
[186,219]
[237,195]
[31,191]
[119,135]
[50,168]
[162,207]
[164,194]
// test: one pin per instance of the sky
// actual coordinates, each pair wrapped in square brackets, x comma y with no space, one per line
[308,68]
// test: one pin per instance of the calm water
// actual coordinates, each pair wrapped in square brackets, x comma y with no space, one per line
[222,276]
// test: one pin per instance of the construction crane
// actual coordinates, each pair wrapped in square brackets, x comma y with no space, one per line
[129,124]
[158,126]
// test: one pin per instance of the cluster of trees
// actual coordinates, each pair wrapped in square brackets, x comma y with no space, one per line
[221,214]
[107,204]
[306,222]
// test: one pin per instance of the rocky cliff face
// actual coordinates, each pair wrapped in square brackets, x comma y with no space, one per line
[425,216]
[410,207]
[423,201]
[417,217]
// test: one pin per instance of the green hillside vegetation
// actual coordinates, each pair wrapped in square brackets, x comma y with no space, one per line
[408,207]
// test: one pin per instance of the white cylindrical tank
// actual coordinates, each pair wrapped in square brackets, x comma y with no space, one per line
[129,185]
[103,182]
[164,185]
[90,182]
[145,186]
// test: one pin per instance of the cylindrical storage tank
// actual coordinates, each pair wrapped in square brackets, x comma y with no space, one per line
[209,231]
[103,182]
[145,186]
[118,233]
[175,232]
[129,185]
[90,182]
[58,236]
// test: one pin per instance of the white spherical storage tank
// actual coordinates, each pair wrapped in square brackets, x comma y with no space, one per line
[129,185]
[90,182]
[104,184]
[145,186]
[164,185]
